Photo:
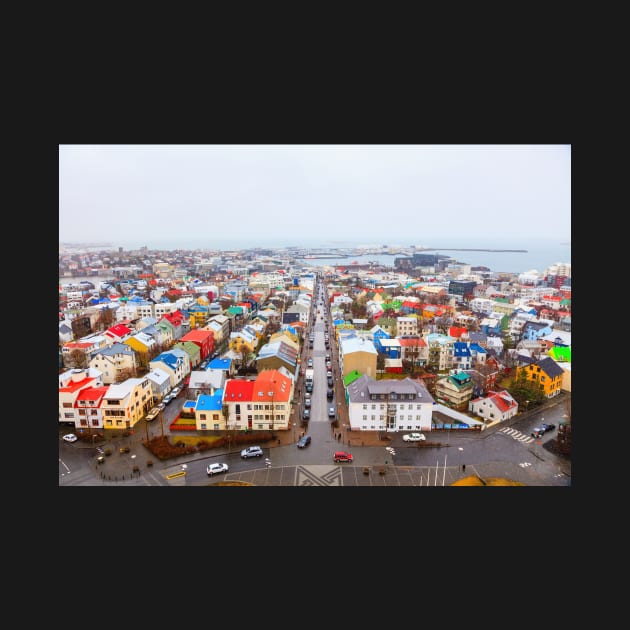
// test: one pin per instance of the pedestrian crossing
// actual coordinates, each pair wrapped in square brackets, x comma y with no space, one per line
[517,435]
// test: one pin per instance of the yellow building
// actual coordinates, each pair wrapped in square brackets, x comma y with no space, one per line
[546,372]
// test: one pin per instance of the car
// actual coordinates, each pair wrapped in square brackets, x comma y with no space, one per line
[310,362]
[168,398]
[307,402]
[331,412]
[309,387]
[153,414]
[330,381]
[160,406]
[342,456]
[330,393]
[251,451]
[70,437]
[304,441]
[414,437]
[544,428]
[216,468]
[176,391]
[306,414]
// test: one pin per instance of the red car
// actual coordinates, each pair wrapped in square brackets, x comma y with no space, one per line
[342,456]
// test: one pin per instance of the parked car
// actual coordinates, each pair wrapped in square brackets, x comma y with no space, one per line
[251,451]
[342,456]
[70,437]
[310,362]
[176,391]
[331,412]
[545,427]
[307,402]
[414,437]
[304,441]
[306,414]
[168,398]
[160,407]
[330,381]
[309,387]
[330,393]
[152,415]
[214,469]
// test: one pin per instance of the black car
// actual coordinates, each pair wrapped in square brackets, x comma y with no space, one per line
[330,394]
[304,441]
[330,381]
[547,427]
[306,414]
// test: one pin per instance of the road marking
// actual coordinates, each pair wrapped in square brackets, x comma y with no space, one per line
[64,465]
[525,464]
[181,473]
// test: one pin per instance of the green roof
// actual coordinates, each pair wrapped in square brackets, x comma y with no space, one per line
[560,353]
[351,377]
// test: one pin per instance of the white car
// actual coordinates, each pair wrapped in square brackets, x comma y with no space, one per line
[70,437]
[414,437]
[214,469]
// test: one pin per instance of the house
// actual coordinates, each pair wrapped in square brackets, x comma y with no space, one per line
[175,362]
[116,334]
[484,378]
[414,349]
[535,330]
[192,350]
[357,354]
[125,404]
[178,322]
[160,383]
[441,351]
[388,405]
[203,381]
[261,404]
[277,354]
[71,383]
[208,411]
[455,390]
[462,356]
[223,364]
[202,338]
[116,362]
[378,334]
[495,406]
[76,354]
[391,348]
[88,408]
[544,371]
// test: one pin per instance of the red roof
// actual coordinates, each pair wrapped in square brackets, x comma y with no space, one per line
[412,343]
[237,390]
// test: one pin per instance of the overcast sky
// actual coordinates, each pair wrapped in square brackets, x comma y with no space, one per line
[171,195]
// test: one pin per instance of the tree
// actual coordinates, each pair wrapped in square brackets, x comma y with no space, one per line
[78,359]
[527,392]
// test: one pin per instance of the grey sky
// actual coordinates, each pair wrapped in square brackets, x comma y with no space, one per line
[172,195]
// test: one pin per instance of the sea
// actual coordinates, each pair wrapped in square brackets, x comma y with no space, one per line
[539,254]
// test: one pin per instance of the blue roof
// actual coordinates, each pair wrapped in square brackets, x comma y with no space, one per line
[461,349]
[210,402]
[220,364]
